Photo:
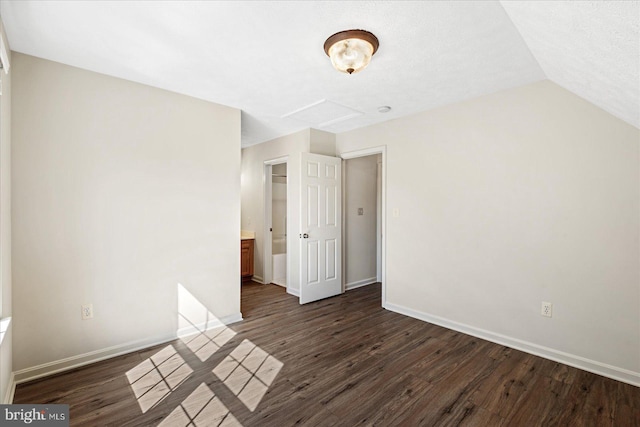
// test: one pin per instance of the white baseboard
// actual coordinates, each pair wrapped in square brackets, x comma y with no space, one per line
[282,285]
[579,362]
[360,283]
[211,324]
[50,368]
[294,292]
[11,390]
[258,279]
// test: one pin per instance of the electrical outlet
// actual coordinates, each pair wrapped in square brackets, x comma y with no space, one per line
[546,309]
[360,211]
[87,311]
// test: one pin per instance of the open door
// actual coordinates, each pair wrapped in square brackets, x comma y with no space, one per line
[321,227]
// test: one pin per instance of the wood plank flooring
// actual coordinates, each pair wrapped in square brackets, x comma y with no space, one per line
[343,361]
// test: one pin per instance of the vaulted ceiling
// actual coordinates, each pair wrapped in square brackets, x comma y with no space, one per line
[267,59]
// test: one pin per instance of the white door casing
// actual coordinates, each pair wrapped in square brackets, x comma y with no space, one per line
[321,227]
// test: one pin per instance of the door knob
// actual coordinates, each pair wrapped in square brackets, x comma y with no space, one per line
[304,236]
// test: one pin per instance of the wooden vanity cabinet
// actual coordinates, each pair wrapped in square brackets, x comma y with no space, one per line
[246,259]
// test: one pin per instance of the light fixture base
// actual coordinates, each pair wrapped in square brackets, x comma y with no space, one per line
[352,34]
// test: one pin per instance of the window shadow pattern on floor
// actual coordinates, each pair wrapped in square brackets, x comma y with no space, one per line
[247,371]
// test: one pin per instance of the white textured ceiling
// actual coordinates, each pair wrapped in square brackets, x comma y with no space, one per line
[591,48]
[267,59]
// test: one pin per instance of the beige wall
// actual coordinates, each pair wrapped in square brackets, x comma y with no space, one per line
[360,191]
[508,200]
[6,350]
[321,142]
[120,192]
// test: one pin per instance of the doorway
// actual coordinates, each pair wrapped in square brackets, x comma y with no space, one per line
[362,228]
[364,194]
[279,224]
[275,245]
[298,272]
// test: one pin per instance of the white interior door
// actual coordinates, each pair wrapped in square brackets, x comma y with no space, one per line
[321,227]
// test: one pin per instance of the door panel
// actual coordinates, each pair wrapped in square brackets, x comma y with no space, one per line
[313,257]
[313,203]
[332,204]
[321,232]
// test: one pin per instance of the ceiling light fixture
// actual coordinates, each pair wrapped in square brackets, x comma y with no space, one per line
[351,51]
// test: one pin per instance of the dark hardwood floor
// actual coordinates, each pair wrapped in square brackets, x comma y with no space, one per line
[343,361]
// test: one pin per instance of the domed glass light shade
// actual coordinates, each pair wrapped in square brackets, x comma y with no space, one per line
[351,51]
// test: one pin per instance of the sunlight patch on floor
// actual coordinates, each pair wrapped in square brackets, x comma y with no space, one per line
[205,344]
[248,372]
[157,376]
[201,408]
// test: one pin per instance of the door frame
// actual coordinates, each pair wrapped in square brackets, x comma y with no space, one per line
[382,150]
[267,259]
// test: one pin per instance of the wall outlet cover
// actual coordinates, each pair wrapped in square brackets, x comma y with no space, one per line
[546,309]
[86,311]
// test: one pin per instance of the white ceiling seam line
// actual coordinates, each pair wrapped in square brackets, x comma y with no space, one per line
[524,41]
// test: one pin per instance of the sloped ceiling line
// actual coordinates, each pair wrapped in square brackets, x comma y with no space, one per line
[591,48]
